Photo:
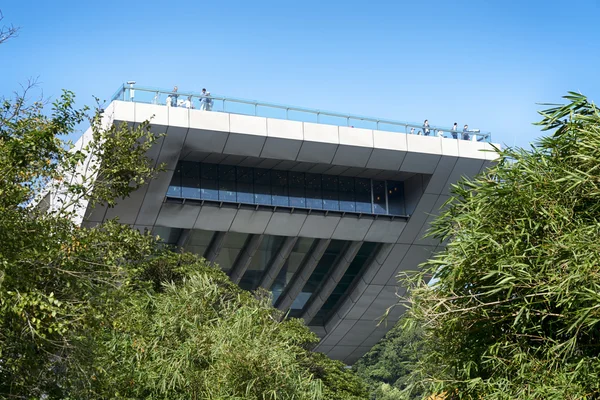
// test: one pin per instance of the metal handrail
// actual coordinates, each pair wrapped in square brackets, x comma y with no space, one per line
[121,94]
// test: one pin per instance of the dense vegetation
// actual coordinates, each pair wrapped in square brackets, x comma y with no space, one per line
[108,312]
[515,313]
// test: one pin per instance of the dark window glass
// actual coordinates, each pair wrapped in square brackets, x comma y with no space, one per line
[208,183]
[262,186]
[279,188]
[396,198]
[314,195]
[245,186]
[347,200]
[363,195]
[175,186]
[379,206]
[330,192]
[227,183]
[297,190]
[190,180]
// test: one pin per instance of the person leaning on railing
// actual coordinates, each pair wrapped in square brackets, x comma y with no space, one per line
[466,132]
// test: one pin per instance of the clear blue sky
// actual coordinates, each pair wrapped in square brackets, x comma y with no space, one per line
[481,63]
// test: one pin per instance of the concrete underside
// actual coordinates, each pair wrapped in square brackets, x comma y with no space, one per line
[426,165]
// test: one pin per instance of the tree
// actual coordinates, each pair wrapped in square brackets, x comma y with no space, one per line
[7,31]
[515,310]
[110,312]
[388,365]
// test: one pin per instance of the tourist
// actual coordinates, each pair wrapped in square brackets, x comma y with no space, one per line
[426,128]
[174,96]
[455,131]
[203,101]
[169,101]
[466,132]
[209,102]
[412,131]
[188,103]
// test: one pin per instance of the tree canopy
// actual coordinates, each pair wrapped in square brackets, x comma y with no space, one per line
[515,311]
[110,312]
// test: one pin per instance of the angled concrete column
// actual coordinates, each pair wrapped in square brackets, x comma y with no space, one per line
[308,266]
[244,258]
[183,237]
[331,280]
[277,263]
[214,248]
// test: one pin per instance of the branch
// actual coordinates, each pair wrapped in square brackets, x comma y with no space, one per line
[7,31]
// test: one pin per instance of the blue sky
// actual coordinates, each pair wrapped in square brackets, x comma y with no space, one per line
[482,63]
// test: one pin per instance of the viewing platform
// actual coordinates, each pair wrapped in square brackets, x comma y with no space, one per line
[232,105]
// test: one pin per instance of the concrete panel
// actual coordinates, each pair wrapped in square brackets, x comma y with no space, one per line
[450,148]
[412,229]
[463,167]
[376,335]
[267,163]
[251,221]
[319,226]
[171,147]
[335,169]
[209,121]
[321,133]
[385,231]
[179,117]
[470,149]
[244,144]
[424,144]
[205,141]
[386,159]
[177,215]
[437,209]
[355,136]
[248,125]
[364,301]
[335,333]
[323,168]
[357,290]
[96,214]
[356,354]
[359,332]
[414,187]
[415,255]
[420,163]
[390,265]
[244,258]
[281,149]
[317,152]
[157,189]
[351,227]
[212,218]
[377,261]
[284,129]
[385,299]
[157,115]
[341,352]
[123,111]
[352,156]
[390,140]
[438,180]
[285,223]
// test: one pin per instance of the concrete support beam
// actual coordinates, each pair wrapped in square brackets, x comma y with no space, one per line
[214,248]
[243,260]
[183,237]
[277,263]
[333,277]
[297,283]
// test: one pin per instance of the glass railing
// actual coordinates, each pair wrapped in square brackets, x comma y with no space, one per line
[218,103]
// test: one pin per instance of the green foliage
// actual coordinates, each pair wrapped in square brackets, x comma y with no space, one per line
[387,366]
[109,312]
[515,313]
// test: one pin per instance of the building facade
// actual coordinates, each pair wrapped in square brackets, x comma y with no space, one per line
[322,215]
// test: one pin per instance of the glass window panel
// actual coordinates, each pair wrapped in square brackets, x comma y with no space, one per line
[244,174]
[347,194]
[330,192]
[198,241]
[190,180]
[208,182]
[379,206]
[316,278]
[396,198]
[314,195]
[294,261]
[261,259]
[262,176]
[227,183]
[262,194]
[232,245]
[354,270]
[175,186]
[297,190]
[245,192]
[363,195]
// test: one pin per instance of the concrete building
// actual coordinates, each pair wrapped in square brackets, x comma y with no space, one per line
[324,214]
